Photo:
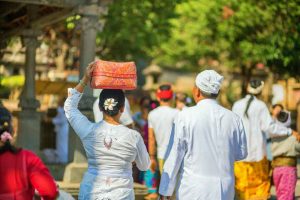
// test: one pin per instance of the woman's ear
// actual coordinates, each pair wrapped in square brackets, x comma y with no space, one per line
[199,95]
[122,109]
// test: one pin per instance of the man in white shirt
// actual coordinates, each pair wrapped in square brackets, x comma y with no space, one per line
[160,121]
[207,139]
[252,174]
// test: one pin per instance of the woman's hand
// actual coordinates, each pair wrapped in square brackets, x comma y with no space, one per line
[89,70]
[296,135]
[153,165]
[88,73]
[86,78]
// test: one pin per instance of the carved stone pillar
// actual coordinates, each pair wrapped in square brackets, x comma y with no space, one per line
[29,119]
[89,27]
[28,100]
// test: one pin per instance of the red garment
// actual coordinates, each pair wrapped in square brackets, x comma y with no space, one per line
[21,174]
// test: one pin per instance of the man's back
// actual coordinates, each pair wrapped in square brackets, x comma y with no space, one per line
[161,120]
[208,139]
[213,132]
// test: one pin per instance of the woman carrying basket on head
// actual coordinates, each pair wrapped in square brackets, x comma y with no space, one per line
[110,147]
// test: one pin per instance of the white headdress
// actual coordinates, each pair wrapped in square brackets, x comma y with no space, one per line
[209,81]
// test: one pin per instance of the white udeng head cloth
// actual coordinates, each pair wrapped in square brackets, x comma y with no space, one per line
[209,81]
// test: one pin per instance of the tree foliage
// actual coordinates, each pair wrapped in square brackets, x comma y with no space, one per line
[236,33]
[132,28]
[174,33]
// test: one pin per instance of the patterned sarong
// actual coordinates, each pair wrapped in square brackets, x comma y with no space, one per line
[285,180]
[151,180]
[252,180]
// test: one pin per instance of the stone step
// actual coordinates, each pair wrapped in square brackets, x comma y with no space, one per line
[73,189]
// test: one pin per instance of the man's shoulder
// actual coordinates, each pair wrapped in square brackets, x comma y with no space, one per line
[240,101]
[260,103]
[162,109]
[188,110]
[152,112]
[174,110]
[229,113]
[225,110]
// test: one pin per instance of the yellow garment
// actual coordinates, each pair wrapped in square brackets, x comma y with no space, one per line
[252,180]
[161,163]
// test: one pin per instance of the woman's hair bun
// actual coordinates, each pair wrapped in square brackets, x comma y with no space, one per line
[111,101]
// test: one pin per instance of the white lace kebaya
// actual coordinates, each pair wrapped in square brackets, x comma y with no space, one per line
[110,150]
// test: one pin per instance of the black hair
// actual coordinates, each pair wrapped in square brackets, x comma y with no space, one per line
[165,87]
[283,116]
[279,105]
[6,126]
[209,95]
[254,84]
[117,95]
[143,99]
[248,105]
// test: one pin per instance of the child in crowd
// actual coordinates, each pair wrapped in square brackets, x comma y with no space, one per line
[285,150]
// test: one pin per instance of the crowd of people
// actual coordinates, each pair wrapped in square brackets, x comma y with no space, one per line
[204,151]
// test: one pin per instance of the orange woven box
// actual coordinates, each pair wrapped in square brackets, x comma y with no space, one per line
[114,75]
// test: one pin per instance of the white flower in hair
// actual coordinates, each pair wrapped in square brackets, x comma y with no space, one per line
[109,104]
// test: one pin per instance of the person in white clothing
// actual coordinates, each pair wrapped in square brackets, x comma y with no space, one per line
[110,147]
[207,140]
[252,173]
[125,118]
[160,121]
[62,133]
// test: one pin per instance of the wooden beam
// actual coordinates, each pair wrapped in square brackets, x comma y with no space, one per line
[41,22]
[52,18]
[56,3]
[10,8]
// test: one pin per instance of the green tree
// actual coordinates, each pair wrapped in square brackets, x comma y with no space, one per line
[237,33]
[133,28]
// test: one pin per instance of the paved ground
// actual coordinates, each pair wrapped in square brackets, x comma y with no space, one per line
[71,188]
